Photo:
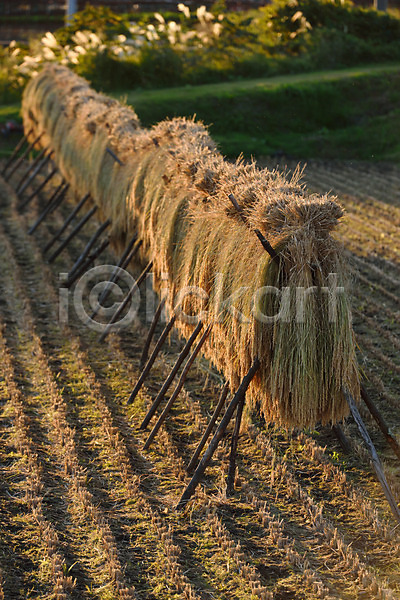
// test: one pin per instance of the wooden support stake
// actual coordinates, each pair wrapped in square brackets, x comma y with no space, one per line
[34,168]
[380,421]
[88,262]
[67,222]
[17,148]
[146,347]
[265,243]
[230,479]
[177,389]
[374,456]
[240,393]
[124,261]
[221,401]
[39,189]
[115,157]
[124,303]
[152,358]
[88,248]
[53,203]
[165,387]
[343,441]
[73,233]
[20,160]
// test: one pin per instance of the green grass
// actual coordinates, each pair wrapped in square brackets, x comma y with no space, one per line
[351,113]
[189,92]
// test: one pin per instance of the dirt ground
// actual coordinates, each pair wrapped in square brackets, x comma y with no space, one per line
[86,513]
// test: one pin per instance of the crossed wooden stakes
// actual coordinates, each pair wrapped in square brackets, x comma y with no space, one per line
[45,159]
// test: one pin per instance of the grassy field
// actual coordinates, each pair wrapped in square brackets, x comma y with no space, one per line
[351,113]
[86,514]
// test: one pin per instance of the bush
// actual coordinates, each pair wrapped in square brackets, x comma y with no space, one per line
[160,66]
[207,46]
[322,26]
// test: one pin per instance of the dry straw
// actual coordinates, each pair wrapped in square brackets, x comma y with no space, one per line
[173,190]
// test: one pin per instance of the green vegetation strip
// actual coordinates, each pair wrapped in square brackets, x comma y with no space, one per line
[348,114]
[351,113]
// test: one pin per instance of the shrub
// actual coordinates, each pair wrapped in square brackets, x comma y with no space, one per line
[207,46]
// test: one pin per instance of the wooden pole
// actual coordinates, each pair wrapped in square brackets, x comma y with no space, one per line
[240,393]
[88,262]
[124,303]
[67,222]
[221,401]
[146,347]
[114,156]
[73,233]
[342,439]
[53,203]
[124,261]
[265,243]
[39,189]
[230,480]
[183,354]
[36,166]
[17,148]
[177,389]
[22,157]
[88,247]
[380,421]
[152,358]
[376,463]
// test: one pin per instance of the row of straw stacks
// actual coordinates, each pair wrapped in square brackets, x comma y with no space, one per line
[172,189]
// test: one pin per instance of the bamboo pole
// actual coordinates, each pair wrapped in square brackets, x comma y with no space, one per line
[177,389]
[88,262]
[36,166]
[230,479]
[39,189]
[54,202]
[160,396]
[115,157]
[376,463]
[343,441]
[221,401]
[66,223]
[380,421]
[123,262]
[124,303]
[146,347]
[88,247]
[17,148]
[240,393]
[19,161]
[73,233]
[151,360]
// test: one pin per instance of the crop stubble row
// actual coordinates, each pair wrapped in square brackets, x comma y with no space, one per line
[112,440]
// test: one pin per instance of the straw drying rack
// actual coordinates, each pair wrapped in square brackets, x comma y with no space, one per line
[45,166]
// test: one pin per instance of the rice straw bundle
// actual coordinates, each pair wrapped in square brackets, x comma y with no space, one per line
[173,190]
